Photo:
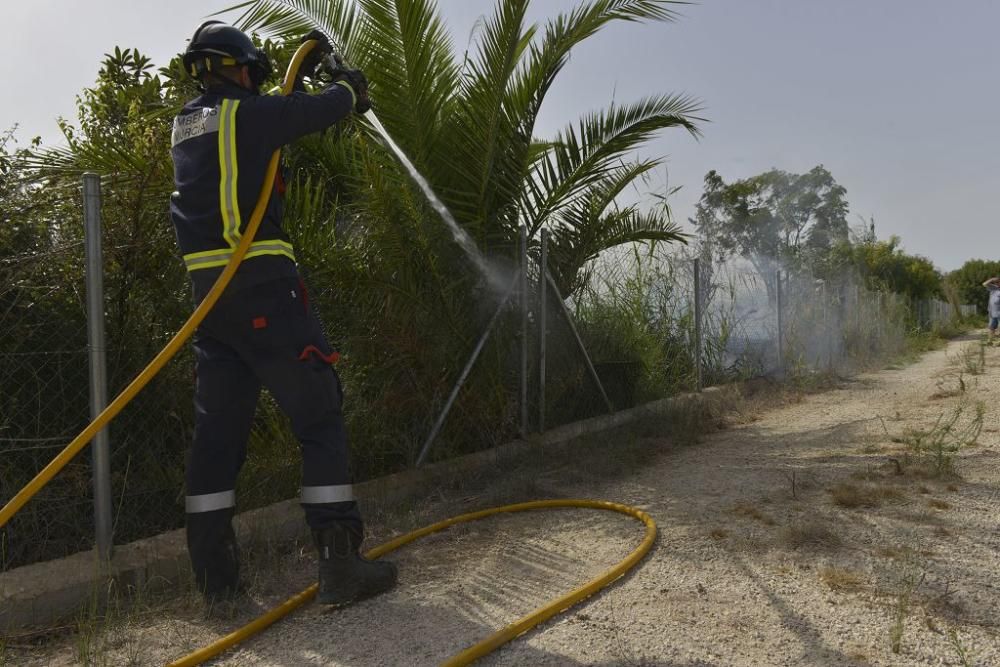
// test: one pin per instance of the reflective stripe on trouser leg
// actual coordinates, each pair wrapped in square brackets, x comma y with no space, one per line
[321,495]
[209,502]
[327,496]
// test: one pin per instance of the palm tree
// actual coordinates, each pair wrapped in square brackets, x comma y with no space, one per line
[468,120]
[403,301]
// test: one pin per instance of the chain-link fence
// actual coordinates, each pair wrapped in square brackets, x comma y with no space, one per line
[646,333]
[45,402]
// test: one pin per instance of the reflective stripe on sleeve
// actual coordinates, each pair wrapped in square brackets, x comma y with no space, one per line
[318,495]
[354,96]
[210,502]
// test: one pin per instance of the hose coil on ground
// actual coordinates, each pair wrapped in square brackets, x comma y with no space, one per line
[498,638]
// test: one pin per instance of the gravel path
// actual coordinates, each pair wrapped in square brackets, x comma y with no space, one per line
[807,533]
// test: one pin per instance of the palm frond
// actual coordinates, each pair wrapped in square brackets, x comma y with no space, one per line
[413,72]
[545,60]
[482,132]
[290,19]
[596,199]
[572,248]
[581,156]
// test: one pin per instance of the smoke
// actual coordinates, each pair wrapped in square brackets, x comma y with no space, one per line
[824,324]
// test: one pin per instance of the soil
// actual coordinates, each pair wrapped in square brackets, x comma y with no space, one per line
[833,527]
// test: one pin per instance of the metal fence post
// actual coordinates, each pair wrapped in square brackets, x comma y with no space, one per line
[859,313]
[524,331]
[777,291]
[827,338]
[100,450]
[425,450]
[698,379]
[542,327]
[579,341]
[879,314]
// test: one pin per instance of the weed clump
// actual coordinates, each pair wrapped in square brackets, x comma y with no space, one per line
[852,496]
[748,510]
[840,579]
[935,448]
[813,534]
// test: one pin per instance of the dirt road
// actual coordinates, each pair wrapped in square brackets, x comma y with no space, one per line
[835,528]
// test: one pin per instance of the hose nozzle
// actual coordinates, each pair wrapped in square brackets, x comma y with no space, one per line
[333,65]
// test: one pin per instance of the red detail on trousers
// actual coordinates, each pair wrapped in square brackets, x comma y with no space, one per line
[305,294]
[331,358]
[260,323]
[279,183]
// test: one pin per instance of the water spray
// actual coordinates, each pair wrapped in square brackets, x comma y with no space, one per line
[497,281]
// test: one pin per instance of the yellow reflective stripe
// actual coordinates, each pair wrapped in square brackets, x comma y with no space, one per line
[237,223]
[223,170]
[228,173]
[275,243]
[208,259]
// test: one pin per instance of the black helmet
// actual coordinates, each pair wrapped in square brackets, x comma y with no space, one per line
[215,44]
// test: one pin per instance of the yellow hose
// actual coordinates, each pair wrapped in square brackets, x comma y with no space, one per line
[185,332]
[495,640]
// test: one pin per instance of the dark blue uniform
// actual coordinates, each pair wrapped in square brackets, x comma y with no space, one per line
[262,330]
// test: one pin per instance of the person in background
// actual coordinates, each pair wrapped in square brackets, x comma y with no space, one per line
[993,305]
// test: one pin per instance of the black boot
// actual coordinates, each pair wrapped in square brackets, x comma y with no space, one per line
[214,555]
[344,574]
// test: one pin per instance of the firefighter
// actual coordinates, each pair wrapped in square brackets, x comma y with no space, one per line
[262,331]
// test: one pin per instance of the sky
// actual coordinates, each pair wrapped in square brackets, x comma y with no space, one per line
[896,98]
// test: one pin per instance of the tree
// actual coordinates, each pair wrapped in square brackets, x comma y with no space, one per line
[884,266]
[968,281]
[774,220]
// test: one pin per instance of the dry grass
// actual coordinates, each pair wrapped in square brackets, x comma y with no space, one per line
[940,395]
[840,578]
[853,496]
[972,358]
[814,533]
[859,657]
[747,510]
[718,534]
[895,552]
[939,504]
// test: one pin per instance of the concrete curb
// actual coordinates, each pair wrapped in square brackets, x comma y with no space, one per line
[53,592]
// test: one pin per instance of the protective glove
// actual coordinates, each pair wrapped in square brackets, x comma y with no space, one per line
[338,71]
[356,79]
[318,53]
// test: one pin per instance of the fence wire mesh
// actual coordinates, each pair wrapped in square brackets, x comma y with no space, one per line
[634,311]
